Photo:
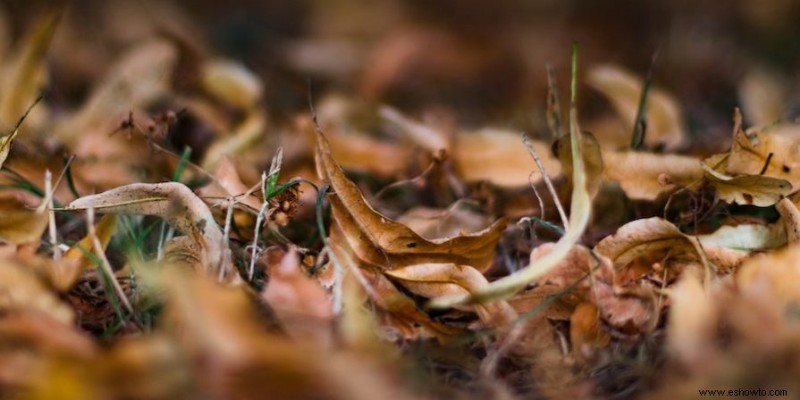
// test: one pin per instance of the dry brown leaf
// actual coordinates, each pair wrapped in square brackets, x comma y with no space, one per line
[500,157]
[762,96]
[300,303]
[75,260]
[757,190]
[623,89]
[747,237]
[435,280]
[227,183]
[142,75]
[22,290]
[19,224]
[176,204]
[650,239]
[403,318]
[429,138]
[791,220]
[387,244]
[433,223]
[356,151]
[23,77]
[692,322]
[586,333]
[644,176]
[218,328]
[244,136]
[231,82]
[750,151]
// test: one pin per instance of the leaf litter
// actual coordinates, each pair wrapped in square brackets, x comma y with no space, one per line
[367,248]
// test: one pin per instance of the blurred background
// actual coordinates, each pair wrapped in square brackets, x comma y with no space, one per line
[482,61]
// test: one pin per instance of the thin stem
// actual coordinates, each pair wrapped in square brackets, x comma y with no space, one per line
[547,180]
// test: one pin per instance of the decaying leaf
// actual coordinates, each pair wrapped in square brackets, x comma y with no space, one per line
[498,156]
[791,219]
[22,77]
[231,82]
[430,139]
[644,176]
[175,203]
[586,333]
[300,302]
[769,152]
[141,76]
[747,237]
[762,96]
[387,244]
[691,319]
[19,224]
[75,260]
[664,117]
[22,290]
[436,280]
[244,136]
[757,190]
[433,223]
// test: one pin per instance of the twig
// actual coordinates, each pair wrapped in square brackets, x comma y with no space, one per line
[259,220]
[223,271]
[51,215]
[547,180]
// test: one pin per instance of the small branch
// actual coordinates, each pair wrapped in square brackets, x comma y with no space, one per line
[547,180]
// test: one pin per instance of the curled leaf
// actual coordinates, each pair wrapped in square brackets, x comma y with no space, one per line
[388,244]
[175,203]
[762,191]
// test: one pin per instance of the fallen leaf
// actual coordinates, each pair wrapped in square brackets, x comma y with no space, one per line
[762,95]
[176,204]
[747,237]
[433,223]
[499,156]
[19,224]
[757,190]
[300,303]
[644,176]
[231,82]
[23,77]
[435,280]
[750,151]
[586,333]
[75,260]
[141,75]
[22,290]
[387,244]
